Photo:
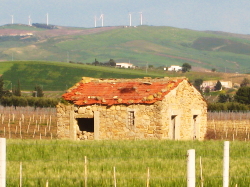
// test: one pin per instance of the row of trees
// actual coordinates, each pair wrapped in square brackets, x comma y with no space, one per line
[14,97]
[111,62]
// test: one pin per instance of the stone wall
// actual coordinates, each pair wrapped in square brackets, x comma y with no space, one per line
[185,102]
[63,120]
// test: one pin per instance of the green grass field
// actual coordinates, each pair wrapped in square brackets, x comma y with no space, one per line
[59,76]
[61,162]
[20,27]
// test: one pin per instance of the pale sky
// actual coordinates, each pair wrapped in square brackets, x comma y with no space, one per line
[216,15]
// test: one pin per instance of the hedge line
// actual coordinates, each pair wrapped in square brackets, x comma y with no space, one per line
[29,101]
[230,106]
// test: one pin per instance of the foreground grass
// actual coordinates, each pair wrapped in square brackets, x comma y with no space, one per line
[62,162]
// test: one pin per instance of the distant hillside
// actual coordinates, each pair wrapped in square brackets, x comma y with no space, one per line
[157,46]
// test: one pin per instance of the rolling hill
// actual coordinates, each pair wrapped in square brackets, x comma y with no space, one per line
[157,46]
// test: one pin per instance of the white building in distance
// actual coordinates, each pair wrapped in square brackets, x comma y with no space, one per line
[173,68]
[125,65]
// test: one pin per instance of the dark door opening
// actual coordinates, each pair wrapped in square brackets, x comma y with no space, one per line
[173,122]
[195,126]
[86,124]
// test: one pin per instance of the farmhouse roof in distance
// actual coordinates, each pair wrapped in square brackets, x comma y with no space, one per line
[120,91]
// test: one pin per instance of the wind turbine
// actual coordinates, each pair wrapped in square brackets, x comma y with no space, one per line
[95,21]
[47,15]
[12,19]
[130,19]
[140,17]
[102,17]
[30,21]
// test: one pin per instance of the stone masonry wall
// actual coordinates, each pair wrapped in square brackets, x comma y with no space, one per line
[185,101]
[63,120]
[114,121]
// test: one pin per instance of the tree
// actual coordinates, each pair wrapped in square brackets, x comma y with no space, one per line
[198,83]
[3,92]
[244,82]
[38,91]
[17,91]
[207,90]
[112,62]
[1,87]
[218,86]
[96,62]
[224,98]
[243,95]
[186,67]
[213,70]
[151,66]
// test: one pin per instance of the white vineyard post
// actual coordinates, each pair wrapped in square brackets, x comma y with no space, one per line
[21,174]
[85,171]
[2,162]
[201,172]
[191,168]
[148,177]
[226,164]
[114,177]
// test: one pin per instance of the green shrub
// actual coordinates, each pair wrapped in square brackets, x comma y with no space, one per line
[230,106]
[28,101]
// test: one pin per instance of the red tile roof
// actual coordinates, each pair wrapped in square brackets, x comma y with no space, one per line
[120,92]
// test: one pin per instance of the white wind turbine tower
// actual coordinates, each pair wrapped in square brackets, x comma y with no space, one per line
[102,17]
[130,19]
[12,19]
[140,17]
[47,15]
[95,21]
[30,24]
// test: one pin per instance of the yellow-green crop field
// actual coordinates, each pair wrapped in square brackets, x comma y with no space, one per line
[62,163]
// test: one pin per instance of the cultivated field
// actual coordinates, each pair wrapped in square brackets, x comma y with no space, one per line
[28,123]
[229,126]
[128,163]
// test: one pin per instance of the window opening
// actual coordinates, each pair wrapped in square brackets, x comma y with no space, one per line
[131,118]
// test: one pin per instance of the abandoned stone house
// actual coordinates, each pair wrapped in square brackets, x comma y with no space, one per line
[104,109]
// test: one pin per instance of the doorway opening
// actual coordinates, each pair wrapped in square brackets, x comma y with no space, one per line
[173,123]
[86,124]
[195,117]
